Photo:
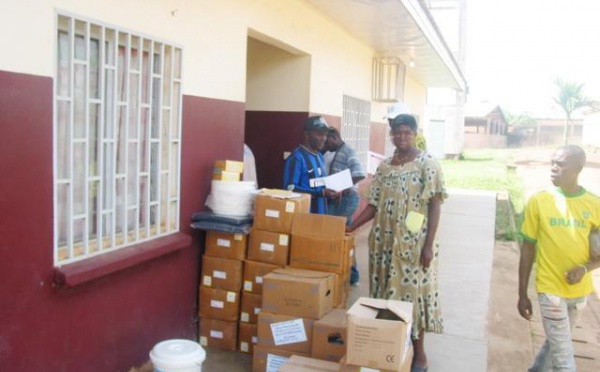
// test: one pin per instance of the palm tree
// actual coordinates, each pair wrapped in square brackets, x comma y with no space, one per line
[570,98]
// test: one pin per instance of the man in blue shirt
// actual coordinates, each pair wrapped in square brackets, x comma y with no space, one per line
[306,164]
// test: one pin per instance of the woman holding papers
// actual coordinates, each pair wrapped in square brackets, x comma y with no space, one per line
[405,199]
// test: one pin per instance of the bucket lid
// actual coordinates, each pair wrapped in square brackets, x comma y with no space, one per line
[178,353]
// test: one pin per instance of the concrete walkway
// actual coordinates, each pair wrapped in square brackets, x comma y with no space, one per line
[466,237]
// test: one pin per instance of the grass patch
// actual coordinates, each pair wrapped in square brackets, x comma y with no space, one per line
[491,170]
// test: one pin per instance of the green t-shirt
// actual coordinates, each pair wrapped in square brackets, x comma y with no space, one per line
[560,225]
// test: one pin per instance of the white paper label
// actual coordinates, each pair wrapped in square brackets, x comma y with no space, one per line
[284,239]
[231,296]
[247,286]
[220,274]
[223,243]
[254,339]
[290,206]
[203,341]
[272,213]
[217,304]
[256,310]
[267,247]
[288,332]
[258,279]
[352,252]
[216,334]
[245,317]
[274,362]
[238,237]
[207,281]
[244,346]
[366,369]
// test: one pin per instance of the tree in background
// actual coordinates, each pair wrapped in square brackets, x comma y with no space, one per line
[570,98]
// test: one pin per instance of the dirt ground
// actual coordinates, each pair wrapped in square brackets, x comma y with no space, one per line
[514,341]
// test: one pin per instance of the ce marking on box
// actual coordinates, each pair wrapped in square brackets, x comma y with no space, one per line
[390,358]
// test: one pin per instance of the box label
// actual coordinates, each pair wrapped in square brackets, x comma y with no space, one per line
[207,281]
[254,339]
[288,332]
[258,279]
[244,346]
[231,296]
[284,239]
[238,237]
[256,310]
[366,369]
[274,362]
[245,317]
[203,341]
[220,274]
[217,304]
[290,207]
[272,213]
[247,286]
[216,334]
[267,247]
[224,243]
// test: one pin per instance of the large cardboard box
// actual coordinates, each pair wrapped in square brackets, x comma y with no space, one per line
[254,273]
[298,363]
[221,175]
[229,165]
[247,336]
[251,306]
[276,212]
[285,332]
[319,243]
[269,359]
[226,245]
[218,334]
[221,273]
[379,333]
[219,304]
[329,336]
[298,292]
[406,364]
[268,246]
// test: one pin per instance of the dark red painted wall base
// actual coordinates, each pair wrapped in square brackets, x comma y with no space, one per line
[110,323]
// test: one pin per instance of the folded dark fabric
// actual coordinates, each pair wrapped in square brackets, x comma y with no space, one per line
[221,227]
[213,217]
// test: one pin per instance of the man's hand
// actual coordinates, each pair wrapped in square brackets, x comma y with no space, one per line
[524,306]
[575,275]
[426,256]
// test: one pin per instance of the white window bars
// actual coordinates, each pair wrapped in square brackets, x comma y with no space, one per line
[117,139]
[356,126]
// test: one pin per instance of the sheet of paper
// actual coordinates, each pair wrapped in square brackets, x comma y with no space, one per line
[339,181]
[414,221]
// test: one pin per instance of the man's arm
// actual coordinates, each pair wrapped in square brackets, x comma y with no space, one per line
[525,265]
[576,274]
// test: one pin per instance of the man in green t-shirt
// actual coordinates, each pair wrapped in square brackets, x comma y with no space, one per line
[555,232]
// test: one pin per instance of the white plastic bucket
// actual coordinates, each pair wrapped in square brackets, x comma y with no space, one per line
[177,356]
[232,198]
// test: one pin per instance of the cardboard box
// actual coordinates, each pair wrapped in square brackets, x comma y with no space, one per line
[251,306]
[219,304]
[270,358]
[218,334]
[253,275]
[329,336]
[285,332]
[230,165]
[221,175]
[247,336]
[276,212]
[319,243]
[268,246]
[406,364]
[226,245]
[298,363]
[342,290]
[298,292]
[221,273]
[379,333]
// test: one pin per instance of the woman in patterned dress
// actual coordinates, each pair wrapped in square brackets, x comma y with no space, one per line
[405,199]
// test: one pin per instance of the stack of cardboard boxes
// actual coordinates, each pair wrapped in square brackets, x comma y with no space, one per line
[228,170]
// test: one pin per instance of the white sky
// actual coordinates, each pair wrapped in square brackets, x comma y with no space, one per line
[516,48]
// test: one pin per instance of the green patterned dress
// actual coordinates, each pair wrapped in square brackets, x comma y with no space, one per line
[395,271]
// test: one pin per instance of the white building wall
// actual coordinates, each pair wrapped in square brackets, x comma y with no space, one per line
[591,130]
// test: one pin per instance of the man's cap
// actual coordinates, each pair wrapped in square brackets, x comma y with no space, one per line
[397,109]
[317,123]
[404,119]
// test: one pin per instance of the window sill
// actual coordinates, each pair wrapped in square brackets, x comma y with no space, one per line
[85,271]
